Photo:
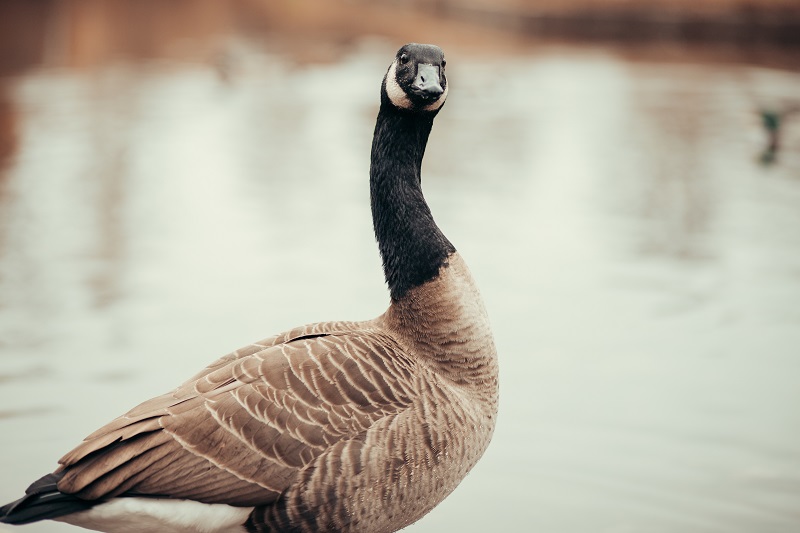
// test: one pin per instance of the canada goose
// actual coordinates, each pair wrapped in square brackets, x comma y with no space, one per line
[329,427]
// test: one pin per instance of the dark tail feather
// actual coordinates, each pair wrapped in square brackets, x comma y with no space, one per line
[42,501]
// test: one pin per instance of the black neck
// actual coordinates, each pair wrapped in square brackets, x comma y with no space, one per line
[412,247]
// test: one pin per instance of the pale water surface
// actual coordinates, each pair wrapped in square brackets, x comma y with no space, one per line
[641,269]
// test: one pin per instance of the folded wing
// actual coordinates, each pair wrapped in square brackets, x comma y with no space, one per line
[241,430]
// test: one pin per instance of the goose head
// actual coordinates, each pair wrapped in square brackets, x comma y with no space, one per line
[416,79]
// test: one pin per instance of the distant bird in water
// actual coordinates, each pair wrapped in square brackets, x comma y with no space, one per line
[330,427]
[773,120]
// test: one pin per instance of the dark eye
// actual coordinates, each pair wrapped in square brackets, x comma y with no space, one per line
[444,63]
[404,59]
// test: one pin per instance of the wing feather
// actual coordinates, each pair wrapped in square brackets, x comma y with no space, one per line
[240,431]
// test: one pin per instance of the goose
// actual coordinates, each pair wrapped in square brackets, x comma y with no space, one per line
[329,427]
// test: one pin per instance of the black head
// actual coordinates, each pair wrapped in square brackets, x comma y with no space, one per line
[416,79]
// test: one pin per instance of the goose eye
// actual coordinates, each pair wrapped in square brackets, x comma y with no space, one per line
[404,59]
[444,63]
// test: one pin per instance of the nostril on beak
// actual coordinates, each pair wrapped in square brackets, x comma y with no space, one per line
[427,83]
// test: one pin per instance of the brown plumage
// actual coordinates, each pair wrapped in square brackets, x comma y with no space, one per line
[379,410]
[330,427]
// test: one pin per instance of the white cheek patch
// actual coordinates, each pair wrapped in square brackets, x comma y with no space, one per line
[393,90]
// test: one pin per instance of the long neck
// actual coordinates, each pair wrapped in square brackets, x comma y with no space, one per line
[412,247]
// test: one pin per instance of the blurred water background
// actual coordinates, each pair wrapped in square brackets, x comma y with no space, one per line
[178,179]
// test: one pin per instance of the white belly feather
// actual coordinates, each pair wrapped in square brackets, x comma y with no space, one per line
[140,515]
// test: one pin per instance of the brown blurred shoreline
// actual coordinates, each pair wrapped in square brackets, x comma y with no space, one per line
[732,21]
[79,33]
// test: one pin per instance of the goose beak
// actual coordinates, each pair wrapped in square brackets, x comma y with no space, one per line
[427,84]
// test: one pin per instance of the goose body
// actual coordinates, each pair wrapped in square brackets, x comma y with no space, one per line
[330,427]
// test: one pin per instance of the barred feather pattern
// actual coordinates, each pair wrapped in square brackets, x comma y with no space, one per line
[337,426]
[406,463]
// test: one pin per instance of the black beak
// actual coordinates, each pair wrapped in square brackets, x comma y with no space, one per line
[427,84]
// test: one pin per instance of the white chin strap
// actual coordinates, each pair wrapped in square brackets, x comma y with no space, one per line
[399,97]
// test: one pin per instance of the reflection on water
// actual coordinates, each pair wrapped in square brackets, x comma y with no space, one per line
[641,269]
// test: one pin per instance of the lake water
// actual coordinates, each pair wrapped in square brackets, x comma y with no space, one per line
[640,266]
